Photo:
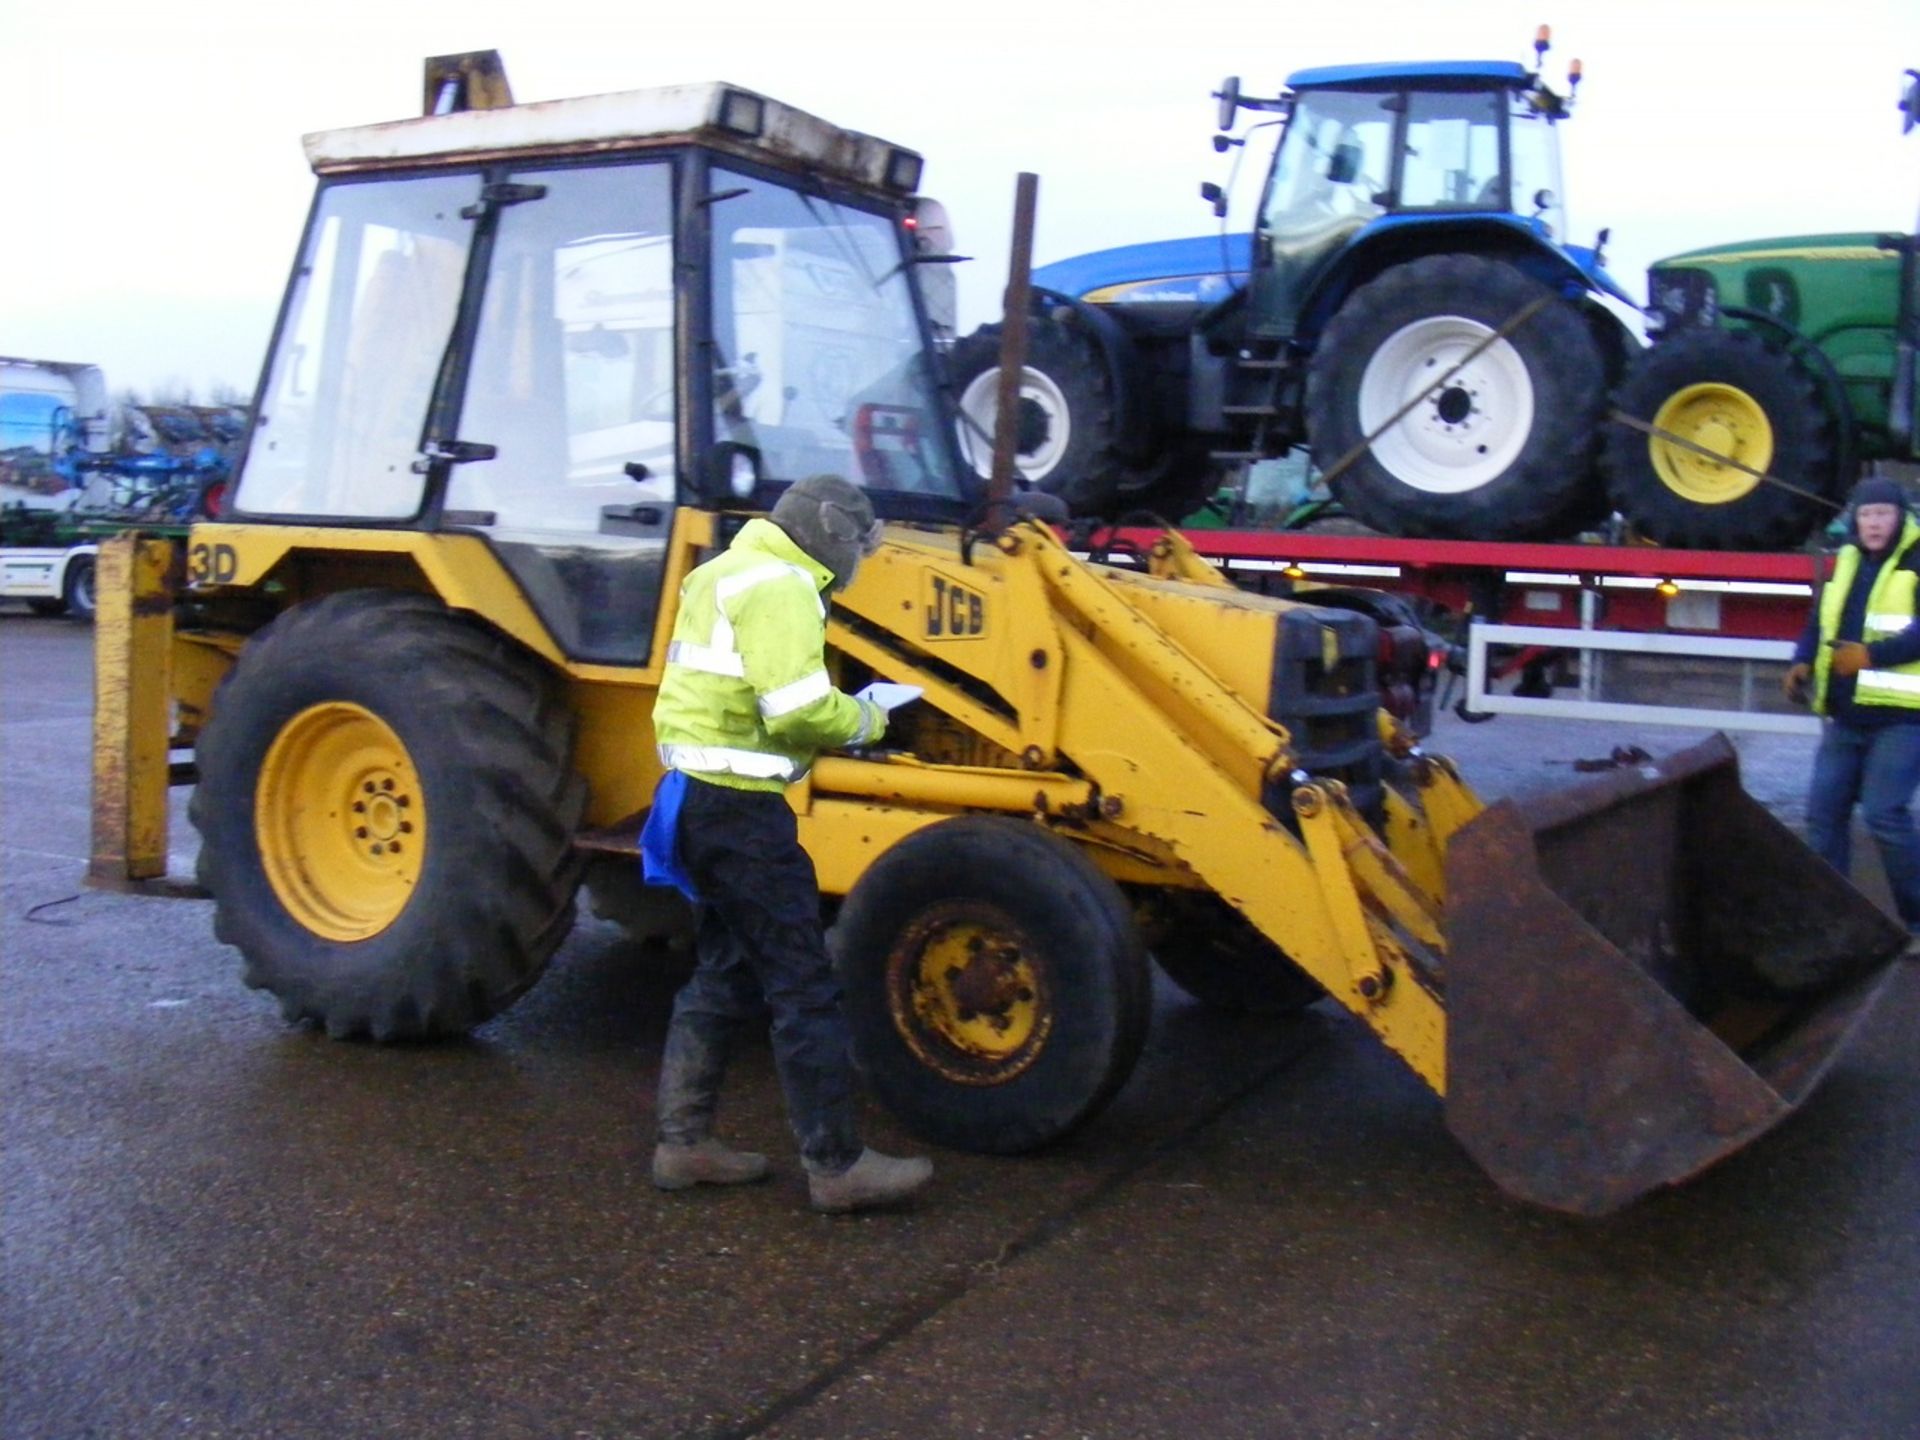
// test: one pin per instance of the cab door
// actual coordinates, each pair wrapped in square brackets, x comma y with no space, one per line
[571,387]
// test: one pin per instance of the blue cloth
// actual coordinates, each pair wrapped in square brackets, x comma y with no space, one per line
[660,862]
[1877,767]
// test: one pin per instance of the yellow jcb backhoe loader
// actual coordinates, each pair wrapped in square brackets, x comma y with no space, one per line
[535,361]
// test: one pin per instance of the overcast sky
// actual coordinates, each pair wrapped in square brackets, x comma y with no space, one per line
[154,183]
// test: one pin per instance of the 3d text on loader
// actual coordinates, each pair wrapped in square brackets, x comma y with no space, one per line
[536,360]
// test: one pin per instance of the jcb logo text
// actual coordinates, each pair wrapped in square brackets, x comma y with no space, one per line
[953,611]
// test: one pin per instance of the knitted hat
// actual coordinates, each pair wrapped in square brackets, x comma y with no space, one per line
[1877,490]
[832,520]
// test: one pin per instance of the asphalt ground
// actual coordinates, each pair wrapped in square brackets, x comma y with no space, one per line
[215,1225]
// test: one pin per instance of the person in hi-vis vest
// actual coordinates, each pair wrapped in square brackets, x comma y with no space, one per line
[1858,665]
[744,706]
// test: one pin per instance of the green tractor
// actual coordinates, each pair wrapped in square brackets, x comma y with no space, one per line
[1779,367]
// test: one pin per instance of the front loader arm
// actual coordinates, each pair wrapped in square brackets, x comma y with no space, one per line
[1179,764]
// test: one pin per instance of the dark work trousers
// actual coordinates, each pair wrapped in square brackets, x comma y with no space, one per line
[759,936]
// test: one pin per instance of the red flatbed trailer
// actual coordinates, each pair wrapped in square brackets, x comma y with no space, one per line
[1701,612]
[1754,595]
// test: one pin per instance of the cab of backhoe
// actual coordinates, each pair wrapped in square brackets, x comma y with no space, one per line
[550,326]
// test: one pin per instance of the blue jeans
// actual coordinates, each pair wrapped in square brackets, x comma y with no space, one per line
[1878,768]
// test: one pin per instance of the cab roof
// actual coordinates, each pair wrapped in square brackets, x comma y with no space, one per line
[1438,74]
[724,116]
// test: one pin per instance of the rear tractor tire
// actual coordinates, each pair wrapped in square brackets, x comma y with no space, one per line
[1504,449]
[1067,438]
[386,807]
[1729,392]
[996,986]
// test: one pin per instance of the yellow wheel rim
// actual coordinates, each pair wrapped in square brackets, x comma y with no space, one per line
[1724,419]
[340,822]
[968,994]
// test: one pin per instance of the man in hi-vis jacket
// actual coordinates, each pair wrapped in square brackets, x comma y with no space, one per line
[745,705]
[1860,659]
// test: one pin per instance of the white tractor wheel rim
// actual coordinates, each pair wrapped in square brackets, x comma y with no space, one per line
[980,407]
[1468,431]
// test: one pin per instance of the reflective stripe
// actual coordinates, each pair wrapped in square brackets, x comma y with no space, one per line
[1889,680]
[870,714]
[706,659]
[1893,622]
[719,760]
[732,585]
[788,698]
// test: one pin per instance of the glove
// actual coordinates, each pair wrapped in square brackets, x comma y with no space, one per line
[1850,657]
[1795,683]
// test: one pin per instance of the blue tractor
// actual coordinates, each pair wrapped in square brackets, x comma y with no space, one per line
[1406,306]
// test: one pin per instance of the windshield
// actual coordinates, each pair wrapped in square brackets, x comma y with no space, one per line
[1536,168]
[820,360]
[353,366]
[1334,163]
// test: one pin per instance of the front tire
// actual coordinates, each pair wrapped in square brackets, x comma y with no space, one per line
[1730,392]
[996,986]
[386,807]
[1502,451]
[77,592]
[1067,440]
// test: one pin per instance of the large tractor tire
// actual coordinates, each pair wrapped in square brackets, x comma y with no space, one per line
[1503,450]
[1729,392]
[997,988]
[1067,440]
[386,808]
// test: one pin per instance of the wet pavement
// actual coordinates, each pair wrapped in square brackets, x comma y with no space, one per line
[215,1225]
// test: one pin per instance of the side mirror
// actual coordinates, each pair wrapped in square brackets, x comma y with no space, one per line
[1229,97]
[733,471]
[1214,196]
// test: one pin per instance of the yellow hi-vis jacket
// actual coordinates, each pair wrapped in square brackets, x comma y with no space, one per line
[1890,610]
[746,700]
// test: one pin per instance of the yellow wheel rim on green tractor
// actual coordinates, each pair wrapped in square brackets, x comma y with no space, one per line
[339,817]
[1717,417]
[967,996]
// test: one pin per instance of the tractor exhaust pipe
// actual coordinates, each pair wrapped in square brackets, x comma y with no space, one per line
[1644,974]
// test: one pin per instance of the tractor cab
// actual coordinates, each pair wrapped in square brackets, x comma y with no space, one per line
[549,326]
[1370,149]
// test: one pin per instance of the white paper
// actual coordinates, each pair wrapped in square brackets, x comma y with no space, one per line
[889,696]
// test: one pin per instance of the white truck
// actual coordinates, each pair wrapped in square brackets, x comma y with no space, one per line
[48,409]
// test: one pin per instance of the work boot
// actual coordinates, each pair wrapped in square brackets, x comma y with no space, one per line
[873,1179]
[679,1167]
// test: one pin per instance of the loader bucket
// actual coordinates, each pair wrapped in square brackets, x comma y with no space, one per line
[1644,973]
